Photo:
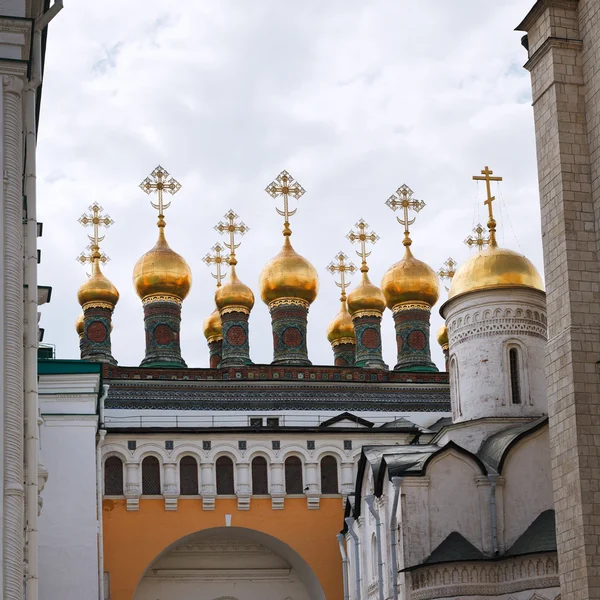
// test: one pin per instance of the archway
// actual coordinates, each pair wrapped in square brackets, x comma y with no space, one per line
[229,563]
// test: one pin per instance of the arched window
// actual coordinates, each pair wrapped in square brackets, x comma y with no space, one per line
[225,483]
[329,475]
[150,476]
[515,376]
[293,476]
[374,557]
[260,480]
[454,387]
[188,476]
[113,476]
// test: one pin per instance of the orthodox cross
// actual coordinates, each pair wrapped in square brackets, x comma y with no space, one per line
[231,228]
[94,220]
[160,181]
[448,270]
[363,237]
[478,240]
[403,199]
[486,176]
[285,185]
[217,259]
[341,265]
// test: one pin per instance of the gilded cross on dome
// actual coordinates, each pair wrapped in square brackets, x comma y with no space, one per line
[231,227]
[403,199]
[362,237]
[486,175]
[160,182]
[448,270]
[478,239]
[217,259]
[285,185]
[94,220]
[341,265]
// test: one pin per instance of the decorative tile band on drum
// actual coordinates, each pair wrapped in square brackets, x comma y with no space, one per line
[289,322]
[367,328]
[235,344]
[215,353]
[411,320]
[95,344]
[162,322]
[344,354]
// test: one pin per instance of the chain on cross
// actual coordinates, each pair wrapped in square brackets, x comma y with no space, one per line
[231,227]
[218,258]
[341,265]
[94,220]
[160,182]
[403,200]
[285,185]
[486,175]
[448,270]
[362,237]
[478,239]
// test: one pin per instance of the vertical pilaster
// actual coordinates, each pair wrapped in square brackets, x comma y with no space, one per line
[243,490]
[209,492]
[170,491]
[235,349]
[411,320]
[133,487]
[277,490]
[289,318]
[367,329]
[95,343]
[162,322]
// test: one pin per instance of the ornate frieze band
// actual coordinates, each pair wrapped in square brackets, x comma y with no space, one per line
[161,298]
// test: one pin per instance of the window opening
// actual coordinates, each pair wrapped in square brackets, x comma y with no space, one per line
[225,481]
[293,476]
[515,379]
[113,476]
[188,476]
[329,475]
[150,476]
[260,480]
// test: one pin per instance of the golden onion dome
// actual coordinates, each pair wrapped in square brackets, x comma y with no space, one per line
[442,336]
[162,271]
[212,326]
[341,328]
[288,275]
[97,288]
[494,268]
[366,297]
[80,325]
[410,280]
[234,293]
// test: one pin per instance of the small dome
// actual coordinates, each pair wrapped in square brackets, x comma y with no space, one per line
[212,327]
[162,271]
[97,288]
[410,280]
[288,275]
[442,336]
[494,268]
[234,293]
[80,325]
[341,328]
[366,296]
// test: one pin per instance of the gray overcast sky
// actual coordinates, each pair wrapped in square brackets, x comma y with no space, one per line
[352,97]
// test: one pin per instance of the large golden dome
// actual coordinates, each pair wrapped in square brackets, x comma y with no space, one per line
[410,280]
[341,329]
[212,327]
[494,268]
[288,275]
[162,271]
[97,288]
[366,297]
[234,293]
[80,325]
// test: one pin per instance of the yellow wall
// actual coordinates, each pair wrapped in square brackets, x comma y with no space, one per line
[132,540]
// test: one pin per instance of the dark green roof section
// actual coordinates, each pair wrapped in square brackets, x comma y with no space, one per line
[540,536]
[455,548]
[67,367]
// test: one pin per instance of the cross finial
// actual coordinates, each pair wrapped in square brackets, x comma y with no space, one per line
[448,270]
[478,240]
[285,185]
[341,265]
[231,228]
[486,176]
[94,220]
[217,259]
[403,199]
[160,181]
[362,237]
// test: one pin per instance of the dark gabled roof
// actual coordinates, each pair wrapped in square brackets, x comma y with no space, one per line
[495,449]
[540,536]
[400,423]
[347,416]
[440,424]
[455,548]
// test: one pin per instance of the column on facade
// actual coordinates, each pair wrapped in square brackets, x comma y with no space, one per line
[208,490]
[277,490]
[170,487]
[348,483]
[313,493]
[243,489]
[133,488]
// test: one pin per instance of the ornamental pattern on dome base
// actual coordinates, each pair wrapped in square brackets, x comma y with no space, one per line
[235,349]
[289,323]
[367,329]
[214,353]
[95,344]
[412,337]
[344,354]
[162,322]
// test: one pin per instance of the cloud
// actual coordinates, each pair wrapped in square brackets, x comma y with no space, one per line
[352,98]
